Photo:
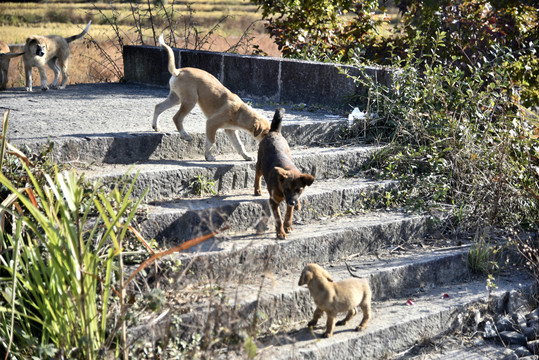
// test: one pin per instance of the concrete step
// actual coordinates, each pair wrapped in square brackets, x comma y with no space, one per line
[119,130]
[171,179]
[275,292]
[232,255]
[181,220]
[395,326]
[281,309]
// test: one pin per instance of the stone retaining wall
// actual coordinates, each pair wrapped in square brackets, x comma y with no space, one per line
[256,77]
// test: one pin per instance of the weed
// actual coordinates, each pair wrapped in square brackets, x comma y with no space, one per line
[202,186]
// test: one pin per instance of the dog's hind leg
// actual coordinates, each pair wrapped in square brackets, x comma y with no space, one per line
[54,66]
[236,142]
[349,315]
[172,100]
[65,73]
[258,178]
[366,309]
[185,108]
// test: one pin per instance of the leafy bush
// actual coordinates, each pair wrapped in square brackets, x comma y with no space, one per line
[460,138]
[318,28]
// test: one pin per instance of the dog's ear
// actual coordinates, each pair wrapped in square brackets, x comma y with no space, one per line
[306,277]
[307,179]
[259,129]
[283,174]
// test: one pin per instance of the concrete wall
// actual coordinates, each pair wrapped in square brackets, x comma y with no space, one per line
[259,78]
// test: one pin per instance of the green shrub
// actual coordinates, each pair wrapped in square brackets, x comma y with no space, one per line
[459,138]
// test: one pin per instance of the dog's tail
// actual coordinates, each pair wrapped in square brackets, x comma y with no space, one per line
[9,55]
[277,120]
[84,32]
[350,271]
[171,65]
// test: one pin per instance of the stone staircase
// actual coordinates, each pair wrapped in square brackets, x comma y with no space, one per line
[421,285]
[261,272]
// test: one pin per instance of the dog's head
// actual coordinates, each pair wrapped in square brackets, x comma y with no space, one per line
[312,271]
[292,184]
[261,128]
[35,46]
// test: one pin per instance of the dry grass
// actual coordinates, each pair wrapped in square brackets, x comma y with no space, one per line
[19,20]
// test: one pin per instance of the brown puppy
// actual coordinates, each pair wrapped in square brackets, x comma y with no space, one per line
[335,297]
[5,56]
[51,50]
[223,109]
[284,180]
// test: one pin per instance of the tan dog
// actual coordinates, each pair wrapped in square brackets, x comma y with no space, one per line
[5,56]
[51,50]
[223,109]
[283,179]
[336,297]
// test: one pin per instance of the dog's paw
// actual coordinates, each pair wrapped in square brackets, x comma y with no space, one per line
[184,135]
[281,235]
[210,158]
[258,192]
[44,88]
[326,335]
[248,158]
[360,328]
[311,324]
[288,229]
[29,89]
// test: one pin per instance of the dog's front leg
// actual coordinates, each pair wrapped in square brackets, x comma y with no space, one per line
[330,325]
[278,221]
[43,77]
[28,75]
[288,218]
[316,316]
[236,142]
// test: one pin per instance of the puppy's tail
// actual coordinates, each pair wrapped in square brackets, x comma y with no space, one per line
[350,271]
[84,32]
[171,65]
[277,120]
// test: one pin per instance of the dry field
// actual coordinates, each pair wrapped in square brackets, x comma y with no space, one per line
[218,25]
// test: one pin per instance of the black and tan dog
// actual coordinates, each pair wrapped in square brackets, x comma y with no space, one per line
[5,56]
[333,297]
[51,50]
[284,180]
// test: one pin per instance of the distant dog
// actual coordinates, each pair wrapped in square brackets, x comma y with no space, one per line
[284,180]
[5,56]
[336,297]
[51,50]
[223,109]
